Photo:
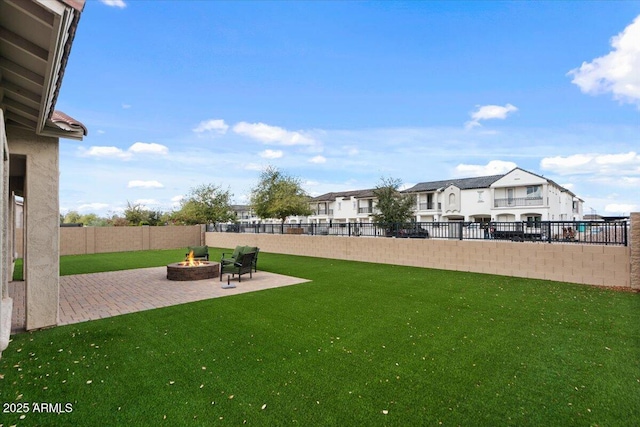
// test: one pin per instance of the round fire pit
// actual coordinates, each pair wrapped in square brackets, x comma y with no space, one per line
[183,272]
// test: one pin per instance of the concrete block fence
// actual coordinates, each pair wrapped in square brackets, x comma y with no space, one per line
[93,240]
[601,265]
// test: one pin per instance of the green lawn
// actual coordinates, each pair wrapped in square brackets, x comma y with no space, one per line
[113,261]
[360,345]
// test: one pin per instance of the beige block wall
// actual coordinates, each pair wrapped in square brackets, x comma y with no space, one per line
[576,263]
[634,238]
[175,237]
[91,240]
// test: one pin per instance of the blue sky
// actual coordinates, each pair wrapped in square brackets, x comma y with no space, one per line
[339,94]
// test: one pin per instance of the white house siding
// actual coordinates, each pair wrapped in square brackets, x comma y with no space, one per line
[556,203]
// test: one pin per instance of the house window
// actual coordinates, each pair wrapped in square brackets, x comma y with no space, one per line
[534,191]
[533,221]
[480,196]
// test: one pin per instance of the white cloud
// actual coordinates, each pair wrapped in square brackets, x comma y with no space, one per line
[144,184]
[569,164]
[91,207]
[214,125]
[148,148]
[126,106]
[177,198]
[621,208]
[631,181]
[618,72]
[489,112]
[618,159]
[318,160]
[106,152]
[494,167]
[114,3]
[592,163]
[271,154]
[272,134]
[103,152]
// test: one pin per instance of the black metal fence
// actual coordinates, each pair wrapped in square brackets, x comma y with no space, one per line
[591,232]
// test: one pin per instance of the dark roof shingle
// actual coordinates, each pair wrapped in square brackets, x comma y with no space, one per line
[330,197]
[461,183]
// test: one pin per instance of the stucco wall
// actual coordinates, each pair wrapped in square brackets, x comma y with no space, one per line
[576,263]
[41,218]
[6,303]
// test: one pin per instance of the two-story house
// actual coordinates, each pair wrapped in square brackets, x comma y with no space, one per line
[244,214]
[343,207]
[524,196]
[464,199]
[518,195]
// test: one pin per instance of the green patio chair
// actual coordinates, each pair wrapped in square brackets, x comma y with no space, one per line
[243,265]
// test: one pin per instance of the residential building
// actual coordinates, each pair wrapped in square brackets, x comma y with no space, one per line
[524,196]
[244,214]
[343,207]
[518,195]
[464,199]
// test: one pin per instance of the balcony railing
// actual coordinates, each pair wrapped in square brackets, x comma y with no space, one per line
[425,206]
[517,201]
[323,212]
[365,210]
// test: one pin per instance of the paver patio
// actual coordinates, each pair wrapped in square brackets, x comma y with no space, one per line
[94,296]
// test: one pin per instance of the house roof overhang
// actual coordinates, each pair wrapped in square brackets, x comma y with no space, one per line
[35,41]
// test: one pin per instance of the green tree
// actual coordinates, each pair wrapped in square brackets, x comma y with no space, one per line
[135,214]
[278,195]
[155,218]
[117,221]
[205,204]
[393,207]
[72,217]
[92,220]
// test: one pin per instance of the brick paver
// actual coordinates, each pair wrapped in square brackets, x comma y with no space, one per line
[94,296]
